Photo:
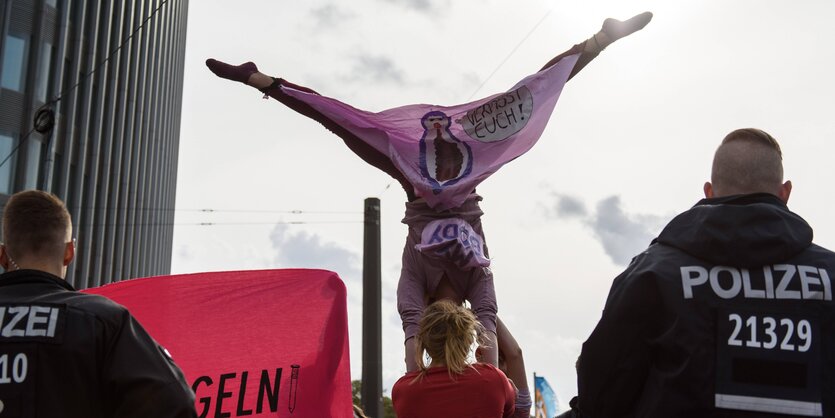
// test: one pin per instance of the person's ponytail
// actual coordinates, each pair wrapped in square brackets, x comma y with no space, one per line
[447,333]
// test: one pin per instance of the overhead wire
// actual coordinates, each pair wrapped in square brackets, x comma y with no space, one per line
[215,211]
[235,223]
[513,51]
[208,210]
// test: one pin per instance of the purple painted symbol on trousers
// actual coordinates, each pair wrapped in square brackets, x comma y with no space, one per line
[453,239]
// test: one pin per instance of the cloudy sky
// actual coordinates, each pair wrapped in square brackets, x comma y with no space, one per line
[628,146]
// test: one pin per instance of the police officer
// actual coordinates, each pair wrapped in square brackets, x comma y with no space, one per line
[728,313]
[65,353]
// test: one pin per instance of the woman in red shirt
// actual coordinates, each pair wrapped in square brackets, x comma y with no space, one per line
[451,386]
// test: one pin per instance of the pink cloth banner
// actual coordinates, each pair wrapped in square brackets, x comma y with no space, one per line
[445,151]
[251,343]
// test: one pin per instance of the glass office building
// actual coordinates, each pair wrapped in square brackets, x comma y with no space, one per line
[112,73]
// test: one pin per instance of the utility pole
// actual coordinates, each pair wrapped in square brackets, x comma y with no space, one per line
[372,341]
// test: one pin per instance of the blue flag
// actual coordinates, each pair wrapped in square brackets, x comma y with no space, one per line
[545,400]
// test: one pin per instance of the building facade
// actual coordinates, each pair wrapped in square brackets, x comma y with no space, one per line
[111,73]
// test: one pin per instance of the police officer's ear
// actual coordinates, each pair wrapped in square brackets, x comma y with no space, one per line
[4,257]
[69,252]
[708,190]
[785,191]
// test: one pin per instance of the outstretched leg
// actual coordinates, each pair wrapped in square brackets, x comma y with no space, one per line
[248,74]
[611,31]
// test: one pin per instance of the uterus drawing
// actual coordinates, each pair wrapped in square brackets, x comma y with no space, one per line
[444,158]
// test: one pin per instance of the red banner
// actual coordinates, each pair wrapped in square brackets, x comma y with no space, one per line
[251,343]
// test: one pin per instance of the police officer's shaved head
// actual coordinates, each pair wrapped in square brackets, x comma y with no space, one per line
[748,161]
[36,225]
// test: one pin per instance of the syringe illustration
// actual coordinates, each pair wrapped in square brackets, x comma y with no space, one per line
[294,387]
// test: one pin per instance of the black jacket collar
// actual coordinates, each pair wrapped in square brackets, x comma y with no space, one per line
[742,230]
[32,276]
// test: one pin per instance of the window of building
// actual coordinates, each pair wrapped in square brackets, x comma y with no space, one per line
[7,169]
[42,83]
[33,163]
[53,3]
[15,54]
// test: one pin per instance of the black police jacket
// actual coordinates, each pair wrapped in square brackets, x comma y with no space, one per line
[70,354]
[728,313]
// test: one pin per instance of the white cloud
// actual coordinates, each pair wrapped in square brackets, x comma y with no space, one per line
[623,235]
[330,16]
[419,5]
[569,206]
[376,68]
[303,249]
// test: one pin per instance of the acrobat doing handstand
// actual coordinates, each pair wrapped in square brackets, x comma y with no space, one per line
[439,154]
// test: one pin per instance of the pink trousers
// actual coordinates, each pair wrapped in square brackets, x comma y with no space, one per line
[421,274]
